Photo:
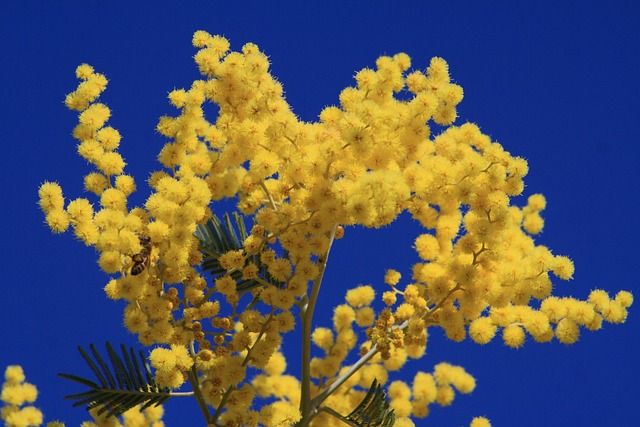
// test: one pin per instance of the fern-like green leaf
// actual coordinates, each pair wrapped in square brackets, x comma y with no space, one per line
[217,237]
[126,383]
[372,411]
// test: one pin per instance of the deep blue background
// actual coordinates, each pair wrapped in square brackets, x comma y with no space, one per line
[554,83]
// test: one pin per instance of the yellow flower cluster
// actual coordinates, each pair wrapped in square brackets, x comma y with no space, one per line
[363,163]
[403,342]
[428,388]
[339,342]
[171,365]
[134,417]
[480,422]
[15,393]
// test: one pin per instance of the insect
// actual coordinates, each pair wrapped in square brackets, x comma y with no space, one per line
[141,260]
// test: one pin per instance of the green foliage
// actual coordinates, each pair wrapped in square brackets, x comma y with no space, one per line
[372,411]
[126,383]
[217,237]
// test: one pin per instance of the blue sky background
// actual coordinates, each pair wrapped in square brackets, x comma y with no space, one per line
[554,82]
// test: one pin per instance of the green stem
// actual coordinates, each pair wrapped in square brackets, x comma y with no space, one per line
[337,415]
[263,329]
[218,411]
[182,393]
[193,379]
[246,360]
[307,322]
[268,194]
[314,405]
[195,384]
[317,401]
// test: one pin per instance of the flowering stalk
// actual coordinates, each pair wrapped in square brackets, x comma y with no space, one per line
[479,269]
[307,321]
[317,401]
[197,392]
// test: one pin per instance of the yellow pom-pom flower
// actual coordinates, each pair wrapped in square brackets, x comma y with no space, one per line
[424,387]
[563,267]
[95,116]
[480,422]
[343,317]
[58,221]
[567,331]
[114,199]
[360,296]
[392,277]
[513,336]
[126,184]
[537,202]
[51,198]
[158,231]
[109,138]
[232,260]
[624,298]
[111,163]
[14,374]
[323,338]
[427,247]
[533,223]
[365,316]
[96,183]
[84,71]
[110,262]
[389,297]
[482,330]
[80,210]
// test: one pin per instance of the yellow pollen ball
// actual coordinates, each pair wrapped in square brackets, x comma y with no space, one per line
[360,296]
[480,422]
[513,336]
[392,277]
[427,246]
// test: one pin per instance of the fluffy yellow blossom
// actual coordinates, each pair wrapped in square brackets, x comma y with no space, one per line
[279,414]
[533,223]
[368,159]
[51,198]
[567,331]
[482,330]
[171,365]
[95,183]
[232,260]
[80,210]
[125,184]
[109,138]
[15,394]
[480,422]
[624,298]
[365,316]
[424,387]
[360,296]
[343,316]
[513,336]
[323,338]
[537,202]
[58,221]
[427,246]
[563,267]
[392,277]
[389,298]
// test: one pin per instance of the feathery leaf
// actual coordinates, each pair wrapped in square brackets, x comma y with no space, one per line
[372,411]
[219,236]
[135,385]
